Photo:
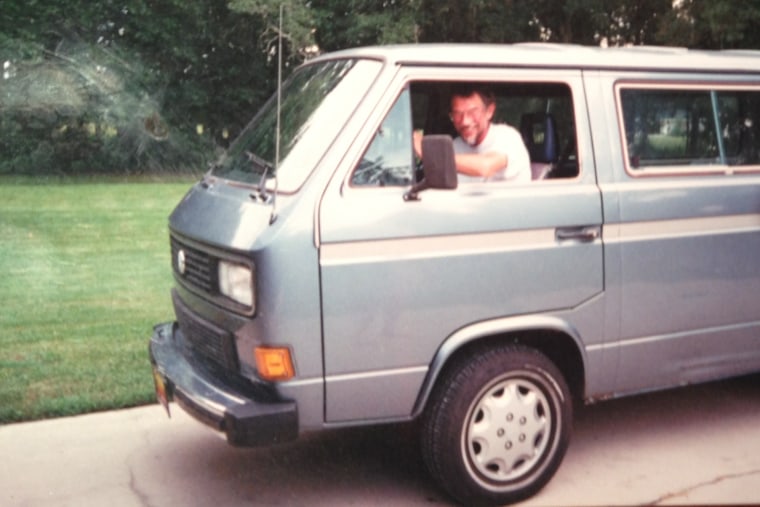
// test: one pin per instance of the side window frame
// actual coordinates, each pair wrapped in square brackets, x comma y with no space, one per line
[583,170]
[715,92]
[420,117]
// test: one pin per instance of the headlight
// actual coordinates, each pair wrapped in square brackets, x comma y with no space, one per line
[236,282]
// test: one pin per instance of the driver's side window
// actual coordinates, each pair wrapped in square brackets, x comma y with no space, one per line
[389,160]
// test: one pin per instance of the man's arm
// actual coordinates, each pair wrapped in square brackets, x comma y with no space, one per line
[480,164]
[471,164]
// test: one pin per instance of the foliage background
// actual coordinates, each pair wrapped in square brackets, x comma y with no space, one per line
[157,86]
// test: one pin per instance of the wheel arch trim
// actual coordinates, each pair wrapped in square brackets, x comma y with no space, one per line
[501,328]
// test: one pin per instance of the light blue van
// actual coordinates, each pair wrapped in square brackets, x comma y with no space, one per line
[326,277]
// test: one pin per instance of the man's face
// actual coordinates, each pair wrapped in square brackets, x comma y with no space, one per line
[471,117]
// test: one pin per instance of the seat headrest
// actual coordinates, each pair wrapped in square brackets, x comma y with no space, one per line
[539,133]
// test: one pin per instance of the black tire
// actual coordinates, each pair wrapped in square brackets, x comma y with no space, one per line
[481,463]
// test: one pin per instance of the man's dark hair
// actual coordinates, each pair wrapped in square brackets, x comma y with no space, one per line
[470,89]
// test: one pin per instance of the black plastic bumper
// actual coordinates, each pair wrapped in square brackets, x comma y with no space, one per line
[245,421]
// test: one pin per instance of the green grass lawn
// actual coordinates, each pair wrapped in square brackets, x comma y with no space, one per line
[85,273]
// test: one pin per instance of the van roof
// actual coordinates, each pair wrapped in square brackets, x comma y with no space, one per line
[571,56]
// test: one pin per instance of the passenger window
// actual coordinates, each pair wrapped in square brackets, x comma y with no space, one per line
[389,159]
[739,114]
[668,128]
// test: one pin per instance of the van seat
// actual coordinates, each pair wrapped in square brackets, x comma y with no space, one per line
[539,132]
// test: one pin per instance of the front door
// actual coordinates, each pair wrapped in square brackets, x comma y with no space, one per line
[399,276]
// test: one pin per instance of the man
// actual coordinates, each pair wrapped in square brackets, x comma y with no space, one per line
[484,151]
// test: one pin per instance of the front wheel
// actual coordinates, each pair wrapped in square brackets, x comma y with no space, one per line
[497,425]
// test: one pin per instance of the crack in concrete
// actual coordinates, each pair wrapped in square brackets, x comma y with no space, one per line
[716,480]
[143,498]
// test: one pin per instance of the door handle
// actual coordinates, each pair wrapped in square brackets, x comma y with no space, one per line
[585,233]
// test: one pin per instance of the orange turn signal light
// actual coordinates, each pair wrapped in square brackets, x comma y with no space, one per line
[274,363]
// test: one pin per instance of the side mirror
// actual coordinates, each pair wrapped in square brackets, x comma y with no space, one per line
[438,166]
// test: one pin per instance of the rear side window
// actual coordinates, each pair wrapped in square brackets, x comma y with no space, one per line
[740,126]
[689,129]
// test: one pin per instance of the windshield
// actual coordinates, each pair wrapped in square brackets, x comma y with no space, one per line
[316,102]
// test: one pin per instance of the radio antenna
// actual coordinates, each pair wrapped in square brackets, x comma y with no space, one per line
[273,217]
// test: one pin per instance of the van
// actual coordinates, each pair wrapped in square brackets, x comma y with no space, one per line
[326,276]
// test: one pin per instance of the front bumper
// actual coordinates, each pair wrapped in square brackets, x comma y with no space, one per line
[244,420]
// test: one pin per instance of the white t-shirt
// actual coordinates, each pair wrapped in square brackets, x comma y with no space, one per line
[501,138]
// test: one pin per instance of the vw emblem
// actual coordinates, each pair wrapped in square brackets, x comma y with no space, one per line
[181,266]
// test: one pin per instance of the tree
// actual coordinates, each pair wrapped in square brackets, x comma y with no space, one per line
[476,21]
[634,23]
[723,24]
[329,25]
[136,85]
[130,86]
[341,24]
[298,24]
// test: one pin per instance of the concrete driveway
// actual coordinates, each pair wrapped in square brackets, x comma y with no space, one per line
[698,445]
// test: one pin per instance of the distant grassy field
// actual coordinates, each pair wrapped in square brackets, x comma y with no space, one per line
[84,274]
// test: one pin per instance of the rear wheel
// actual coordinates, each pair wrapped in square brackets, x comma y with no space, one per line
[497,425]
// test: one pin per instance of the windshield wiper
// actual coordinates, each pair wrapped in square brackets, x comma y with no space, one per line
[265,167]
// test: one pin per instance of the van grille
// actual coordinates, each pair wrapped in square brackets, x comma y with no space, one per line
[204,340]
[200,268]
